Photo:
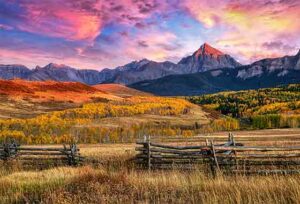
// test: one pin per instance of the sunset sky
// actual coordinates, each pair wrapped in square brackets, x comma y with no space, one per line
[97,34]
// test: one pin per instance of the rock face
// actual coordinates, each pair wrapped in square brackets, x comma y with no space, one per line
[52,71]
[14,71]
[282,65]
[64,73]
[207,58]
[143,70]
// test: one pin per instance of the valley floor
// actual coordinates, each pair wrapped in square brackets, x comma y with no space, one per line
[108,177]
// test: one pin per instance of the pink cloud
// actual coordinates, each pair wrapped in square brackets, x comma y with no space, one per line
[82,19]
[59,19]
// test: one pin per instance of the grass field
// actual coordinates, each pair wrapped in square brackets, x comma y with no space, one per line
[108,177]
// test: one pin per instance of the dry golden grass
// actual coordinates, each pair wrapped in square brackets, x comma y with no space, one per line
[90,185]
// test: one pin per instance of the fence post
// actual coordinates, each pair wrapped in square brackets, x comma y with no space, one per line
[9,150]
[215,165]
[230,137]
[6,151]
[206,141]
[149,152]
[235,152]
[67,154]
[73,149]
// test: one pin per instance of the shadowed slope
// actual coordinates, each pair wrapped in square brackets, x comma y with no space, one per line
[120,90]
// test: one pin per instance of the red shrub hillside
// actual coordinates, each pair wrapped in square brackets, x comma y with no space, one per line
[51,90]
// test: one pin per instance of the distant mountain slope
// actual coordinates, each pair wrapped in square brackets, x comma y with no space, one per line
[206,58]
[120,90]
[263,73]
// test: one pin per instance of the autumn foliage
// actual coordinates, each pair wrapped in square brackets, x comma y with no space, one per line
[262,108]
[84,124]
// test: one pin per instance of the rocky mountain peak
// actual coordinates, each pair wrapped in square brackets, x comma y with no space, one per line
[207,58]
[206,49]
[55,66]
[144,60]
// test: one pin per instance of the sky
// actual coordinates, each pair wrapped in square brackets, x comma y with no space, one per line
[97,34]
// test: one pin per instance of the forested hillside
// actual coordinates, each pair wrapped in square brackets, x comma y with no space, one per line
[113,121]
[262,108]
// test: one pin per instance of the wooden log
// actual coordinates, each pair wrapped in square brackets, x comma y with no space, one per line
[41,158]
[239,148]
[41,149]
[160,150]
[167,150]
[260,156]
[46,157]
[178,163]
[176,151]
[42,153]
[260,163]
[153,162]
[177,147]
[179,157]
[267,172]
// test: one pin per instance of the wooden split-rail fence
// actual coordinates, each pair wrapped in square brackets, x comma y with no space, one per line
[222,156]
[27,155]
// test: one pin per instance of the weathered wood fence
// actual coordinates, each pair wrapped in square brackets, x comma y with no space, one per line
[220,156]
[35,155]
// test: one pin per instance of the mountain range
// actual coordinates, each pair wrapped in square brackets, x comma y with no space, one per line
[205,58]
[207,70]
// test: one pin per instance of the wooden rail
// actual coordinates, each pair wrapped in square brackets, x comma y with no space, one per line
[32,155]
[218,156]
